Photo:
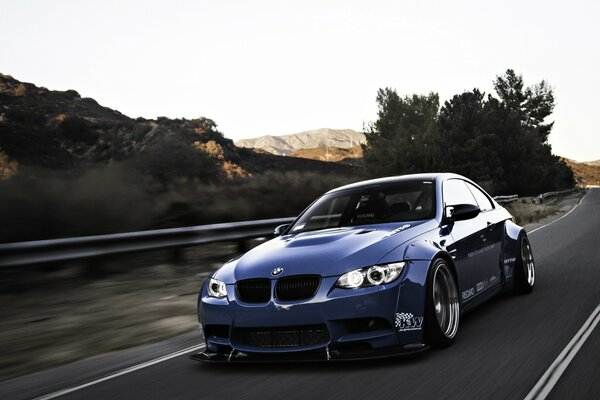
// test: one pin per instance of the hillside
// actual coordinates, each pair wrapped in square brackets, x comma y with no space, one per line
[42,128]
[286,144]
[586,173]
[350,155]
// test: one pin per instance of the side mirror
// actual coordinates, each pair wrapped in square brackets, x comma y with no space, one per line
[280,229]
[461,212]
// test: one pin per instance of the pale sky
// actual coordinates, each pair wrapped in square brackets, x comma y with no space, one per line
[278,67]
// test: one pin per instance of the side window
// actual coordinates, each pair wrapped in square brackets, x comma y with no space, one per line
[456,192]
[482,200]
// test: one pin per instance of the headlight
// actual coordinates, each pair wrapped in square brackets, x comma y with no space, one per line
[216,288]
[371,276]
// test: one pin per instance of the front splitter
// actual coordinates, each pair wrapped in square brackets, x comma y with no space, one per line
[321,355]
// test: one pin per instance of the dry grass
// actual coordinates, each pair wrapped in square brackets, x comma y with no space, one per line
[332,154]
[8,167]
[526,211]
[64,317]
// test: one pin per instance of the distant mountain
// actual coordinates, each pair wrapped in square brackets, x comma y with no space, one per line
[595,163]
[286,144]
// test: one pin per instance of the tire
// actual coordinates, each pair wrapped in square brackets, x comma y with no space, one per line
[524,267]
[442,313]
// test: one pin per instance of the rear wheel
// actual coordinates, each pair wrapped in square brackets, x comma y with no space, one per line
[442,305]
[524,267]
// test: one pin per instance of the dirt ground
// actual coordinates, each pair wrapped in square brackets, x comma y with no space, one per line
[58,314]
[530,214]
[69,312]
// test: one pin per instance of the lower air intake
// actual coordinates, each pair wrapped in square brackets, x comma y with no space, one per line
[288,337]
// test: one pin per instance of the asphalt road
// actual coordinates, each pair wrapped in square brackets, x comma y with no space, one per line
[502,350]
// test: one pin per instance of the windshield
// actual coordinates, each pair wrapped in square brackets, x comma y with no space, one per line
[400,201]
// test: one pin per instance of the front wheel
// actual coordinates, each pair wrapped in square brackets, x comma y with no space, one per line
[442,305]
[524,268]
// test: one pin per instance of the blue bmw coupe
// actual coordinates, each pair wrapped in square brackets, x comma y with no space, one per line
[373,269]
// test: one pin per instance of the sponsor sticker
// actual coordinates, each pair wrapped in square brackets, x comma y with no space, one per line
[408,322]
[480,251]
[468,293]
[481,285]
[366,215]
[398,230]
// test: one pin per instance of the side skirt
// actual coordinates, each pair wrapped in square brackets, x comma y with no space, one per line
[481,298]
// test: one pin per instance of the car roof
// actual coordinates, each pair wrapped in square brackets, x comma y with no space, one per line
[400,178]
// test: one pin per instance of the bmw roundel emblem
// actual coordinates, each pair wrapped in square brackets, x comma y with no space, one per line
[277,271]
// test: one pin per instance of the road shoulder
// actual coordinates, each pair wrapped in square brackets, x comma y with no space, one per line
[79,372]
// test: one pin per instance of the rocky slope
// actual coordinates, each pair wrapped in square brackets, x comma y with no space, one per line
[350,155]
[586,173]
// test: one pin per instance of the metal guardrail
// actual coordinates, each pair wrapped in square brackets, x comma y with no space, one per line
[43,251]
[547,195]
[506,199]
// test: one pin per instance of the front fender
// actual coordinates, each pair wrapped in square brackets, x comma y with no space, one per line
[410,308]
[510,252]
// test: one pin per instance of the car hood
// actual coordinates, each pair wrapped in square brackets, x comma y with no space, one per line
[328,252]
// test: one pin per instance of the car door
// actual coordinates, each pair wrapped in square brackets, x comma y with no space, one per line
[493,236]
[471,248]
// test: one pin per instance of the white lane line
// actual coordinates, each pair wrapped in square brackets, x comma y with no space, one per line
[122,372]
[561,217]
[552,375]
[544,386]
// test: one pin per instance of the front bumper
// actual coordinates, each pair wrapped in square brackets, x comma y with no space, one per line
[373,310]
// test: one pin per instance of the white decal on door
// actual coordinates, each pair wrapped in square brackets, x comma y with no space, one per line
[468,293]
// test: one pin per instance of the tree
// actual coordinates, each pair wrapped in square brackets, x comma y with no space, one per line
[400,141]
[531,105]
[500,142]
[466,142]
[520,116]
